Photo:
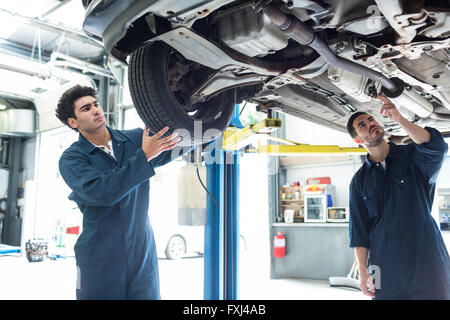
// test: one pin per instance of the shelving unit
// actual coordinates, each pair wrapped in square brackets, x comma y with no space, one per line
[289,201]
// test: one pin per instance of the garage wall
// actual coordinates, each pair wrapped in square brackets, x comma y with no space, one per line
[340,173]
[443,180]
[310,133]
[254,217]
[52,205]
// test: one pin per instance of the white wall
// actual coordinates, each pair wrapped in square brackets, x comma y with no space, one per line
[254,220]
[52,204]
[341,173]
[310,133]
[443,180]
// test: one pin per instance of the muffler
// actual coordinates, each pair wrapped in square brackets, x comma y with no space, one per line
[415,103]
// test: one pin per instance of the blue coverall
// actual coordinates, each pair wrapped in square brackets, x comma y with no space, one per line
[116,252]
[390,213]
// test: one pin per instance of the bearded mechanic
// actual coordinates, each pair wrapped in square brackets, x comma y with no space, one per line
[391,195]
[108,171]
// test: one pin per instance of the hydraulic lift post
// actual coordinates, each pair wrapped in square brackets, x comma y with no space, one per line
[222,221]
[222,206]
[214,228]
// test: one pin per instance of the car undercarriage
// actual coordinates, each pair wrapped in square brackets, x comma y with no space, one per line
[317,60]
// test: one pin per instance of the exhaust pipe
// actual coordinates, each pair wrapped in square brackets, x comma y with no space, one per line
[393,88]
[305,35]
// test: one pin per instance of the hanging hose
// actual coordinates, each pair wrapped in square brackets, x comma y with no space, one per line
[207,191]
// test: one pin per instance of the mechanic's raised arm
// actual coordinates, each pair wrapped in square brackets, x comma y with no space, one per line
[94,187]
[418,134]
[154,145]
[430,145]
[168,148]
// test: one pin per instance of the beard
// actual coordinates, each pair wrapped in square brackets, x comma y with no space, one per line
[375,141]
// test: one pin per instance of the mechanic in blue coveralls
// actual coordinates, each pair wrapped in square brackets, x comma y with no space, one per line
[108,171]
[391,197]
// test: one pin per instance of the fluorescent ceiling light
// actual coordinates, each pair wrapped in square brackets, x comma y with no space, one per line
[2,107]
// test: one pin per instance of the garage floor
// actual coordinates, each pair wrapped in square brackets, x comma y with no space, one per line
[180,279]
[55,280]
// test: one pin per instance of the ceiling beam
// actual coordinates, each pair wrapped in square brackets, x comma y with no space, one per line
[59,5]
[56,28]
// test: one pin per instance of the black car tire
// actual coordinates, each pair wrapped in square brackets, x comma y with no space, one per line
[158,107]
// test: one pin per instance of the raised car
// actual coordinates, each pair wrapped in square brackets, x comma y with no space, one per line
[190,62]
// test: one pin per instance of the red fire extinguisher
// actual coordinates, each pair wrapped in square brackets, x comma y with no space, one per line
[279,245]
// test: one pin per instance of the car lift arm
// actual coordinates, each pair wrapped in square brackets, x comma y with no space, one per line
[236,139]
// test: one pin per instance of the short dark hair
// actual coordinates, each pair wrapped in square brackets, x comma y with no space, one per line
[66,108]
[350,128]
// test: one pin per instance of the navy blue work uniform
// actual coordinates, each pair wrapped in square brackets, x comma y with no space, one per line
[390,213]
[116,252]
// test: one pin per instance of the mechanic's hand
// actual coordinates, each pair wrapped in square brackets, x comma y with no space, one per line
[389,110]
[154,145]
[366,284]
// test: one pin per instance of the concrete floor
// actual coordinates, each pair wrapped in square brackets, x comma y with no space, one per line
[180,280]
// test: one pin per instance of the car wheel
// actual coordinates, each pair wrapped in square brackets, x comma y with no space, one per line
[161,83]
[176,248]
